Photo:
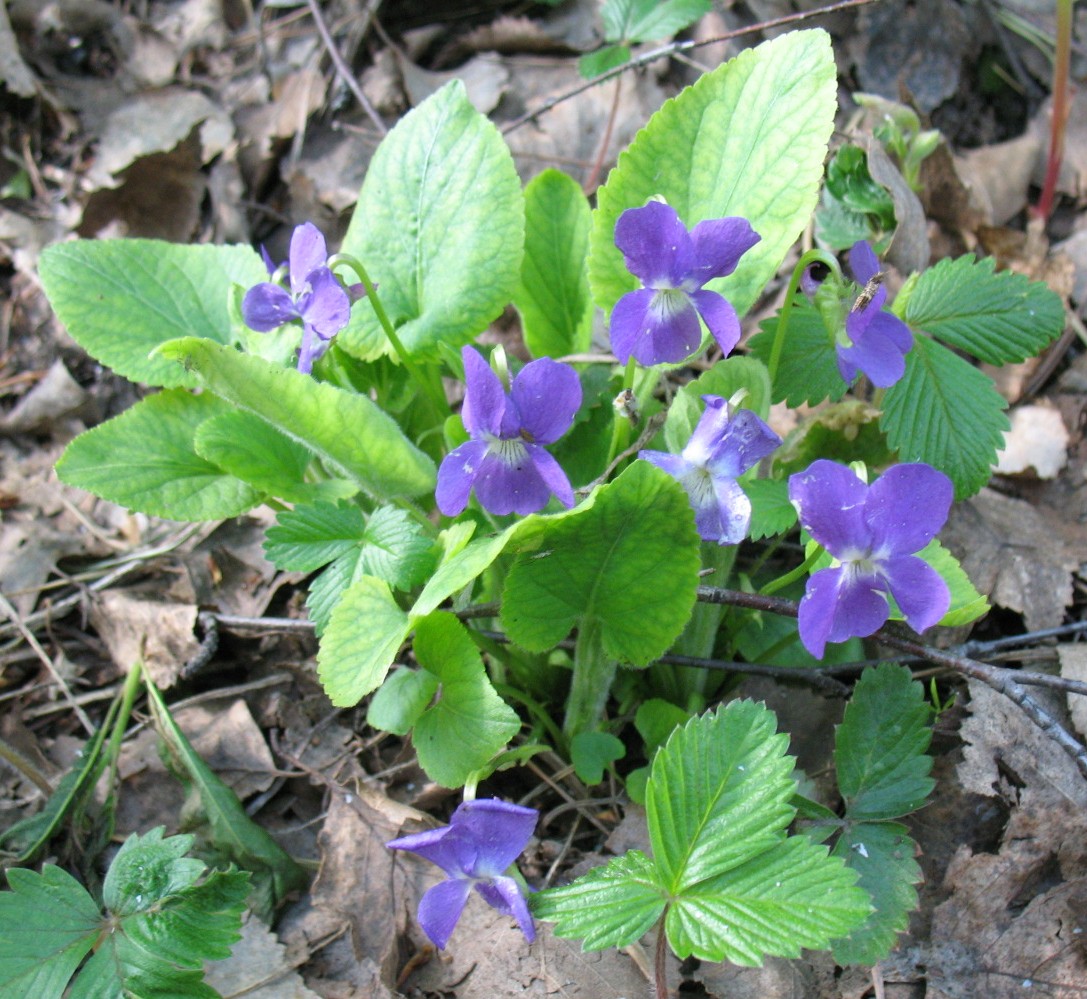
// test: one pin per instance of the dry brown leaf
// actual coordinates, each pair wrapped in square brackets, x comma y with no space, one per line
[56,396]
[999,176]
[258,967]
[15,74]
[137,629]
[1073,659]
[485,79]
[1038,440]
[909,250]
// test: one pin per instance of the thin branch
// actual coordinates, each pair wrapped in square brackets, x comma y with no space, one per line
[671,49]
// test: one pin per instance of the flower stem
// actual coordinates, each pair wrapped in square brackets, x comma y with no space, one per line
[620,427]
[432,390]
[809,258]
[799,572]
[660,966]
[1061,67]
[591,683]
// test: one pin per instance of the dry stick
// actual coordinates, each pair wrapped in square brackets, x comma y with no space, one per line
[674,47]
[342,69]
[1001,680]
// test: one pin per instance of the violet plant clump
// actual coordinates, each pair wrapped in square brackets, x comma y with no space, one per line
[483,838]
[366,466]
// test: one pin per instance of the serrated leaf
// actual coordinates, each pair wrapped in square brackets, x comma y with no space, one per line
[122,298]
[718,794]
[879,749]
[364,633]
[145,459]
[148,869]
[48,923]
[771,511]
[345,429]
[747,139]
[882,853]
[469,724]
[312,535]
[791,896]
[998,317]
[602,562]
[808,369]
[553,297]
[251,450]
[460,564]
[947,413]
[401,699]
[611,906]
[966,603]
[439,224]
[592,753]
[233,833]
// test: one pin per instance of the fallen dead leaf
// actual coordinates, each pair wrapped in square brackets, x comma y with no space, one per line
[1038,440]
[56,396]
[258,967]
[1073,659]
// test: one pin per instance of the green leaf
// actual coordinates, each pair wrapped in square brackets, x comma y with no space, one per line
[790,896]
[593,752]
[145,459]
[719,794]
[649,20]
[345,429]
[611,906]
[594,63]
[312,535]
[725,379]
[604,561]
[439,225]
[469,724]
[122,298]
[553,298]
[48,923]
[747,139]
[401,699]
[460,564]
[656,720]
[998,317]
[808,370]
[364,633]
[879,749]
[771,510]
[882,853]
[235,836]
[250,449]
[966,603]
[947,413]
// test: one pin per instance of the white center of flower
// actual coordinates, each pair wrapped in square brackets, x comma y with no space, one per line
[668,302]
[512,453]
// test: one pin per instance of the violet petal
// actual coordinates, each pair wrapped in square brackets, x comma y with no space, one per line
[552,475]
[307,253]
[440,908]
[863,262]
[831,499]
[504,894]
[720,318]
[484,398]
[266,307]
[718,246]
[547,394]
[906,508]
[629,321]
[919,590]
[500,830]
[509,482]
[672,332]
[655,244]
[731,514]
[457,474]
[328,308]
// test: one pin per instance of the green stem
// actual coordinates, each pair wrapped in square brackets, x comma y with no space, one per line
[798,573]
[1061,67]
[591,682]
[433,391]
[620,427]
[809,258]
[131,689]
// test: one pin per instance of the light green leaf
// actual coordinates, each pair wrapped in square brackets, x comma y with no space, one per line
[233,833]
[122,298]
[808,370]
[771,511]
[250,449]
[966,603]
[48,923]
[145,459]
[724,379]
[998,317]
[439,225]
[947,413]
[364,633]
[879,749]
[605,561]
[789,897]
[459,565]
[592,753]
[594,63]
[312,535]
[649,20]
[882,853]
[719,794]
[747,139]
[553,298]
[469,724]
[611,906]
[401,699]
[345,429]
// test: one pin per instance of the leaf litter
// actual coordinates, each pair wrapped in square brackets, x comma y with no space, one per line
[160,123]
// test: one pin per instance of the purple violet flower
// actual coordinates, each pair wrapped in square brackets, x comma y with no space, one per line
[482,839]
[723,446]
[869,339]
[658,324]
[873,533]
[505,461]
[316,297]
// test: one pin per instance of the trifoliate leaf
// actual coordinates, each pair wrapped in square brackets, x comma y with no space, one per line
[947,413]
[789,896]
[611,906]
[439,225]
[313,534]
[122,298]
[553,298]
[882,853]
[603,562]
[747,139]
[998,317]
[718,794]
[879,749]
[469,724]
[146,459]
[771,510]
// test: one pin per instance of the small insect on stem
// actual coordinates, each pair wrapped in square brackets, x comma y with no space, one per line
[864,299]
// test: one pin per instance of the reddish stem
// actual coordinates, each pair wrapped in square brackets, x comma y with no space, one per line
[1061,72]
[660,967]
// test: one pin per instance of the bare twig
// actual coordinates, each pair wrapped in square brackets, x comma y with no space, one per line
[671,49]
